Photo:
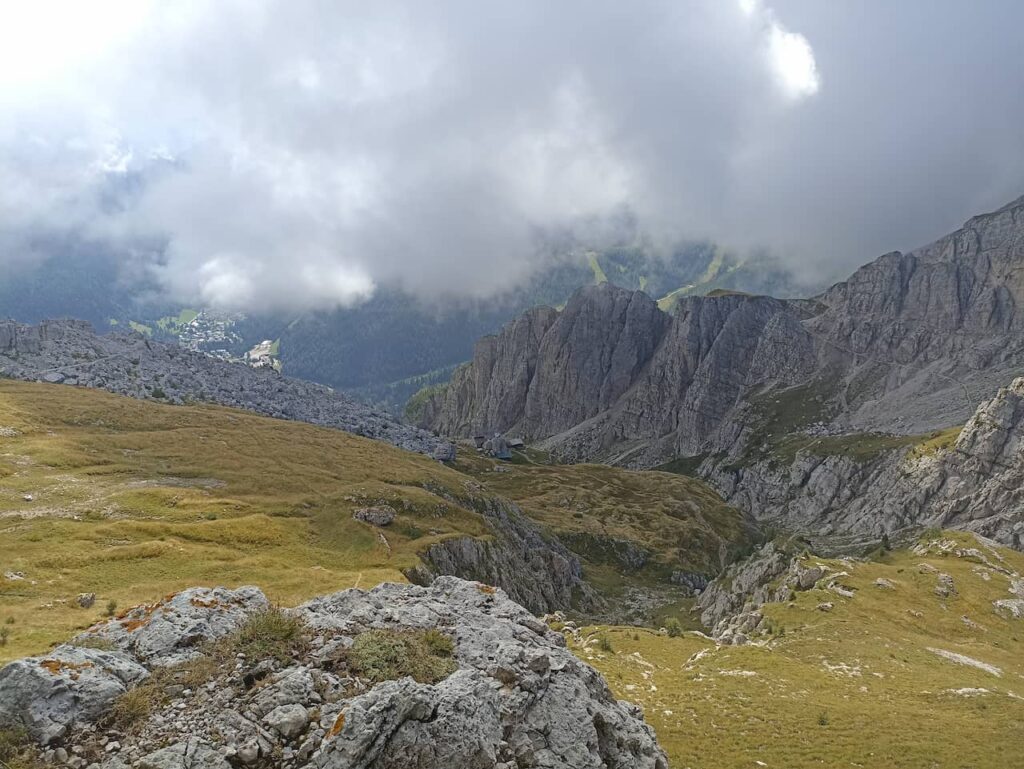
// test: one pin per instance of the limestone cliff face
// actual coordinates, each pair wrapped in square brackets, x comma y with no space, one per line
[612,367]
[940,326]
[910,343]
[977,484]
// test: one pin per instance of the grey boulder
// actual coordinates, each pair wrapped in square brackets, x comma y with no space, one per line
[169,631]
[71,685]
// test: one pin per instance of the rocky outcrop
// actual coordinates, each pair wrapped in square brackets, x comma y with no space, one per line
[69,686]
[976,484]
[512,696]
[171,630]
[538,571]
[69,352]
[910,343]
[613,369]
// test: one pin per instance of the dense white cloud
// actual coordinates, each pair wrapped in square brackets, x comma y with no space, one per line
[273,153]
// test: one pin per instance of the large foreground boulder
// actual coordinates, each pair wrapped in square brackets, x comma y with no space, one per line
[333,686]
[50,694]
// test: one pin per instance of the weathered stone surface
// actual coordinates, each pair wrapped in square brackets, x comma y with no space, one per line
[170,630]
[190,754]
[287,720]
[537,571]
[380,515]
[69,686]
[517,697]
[977,484]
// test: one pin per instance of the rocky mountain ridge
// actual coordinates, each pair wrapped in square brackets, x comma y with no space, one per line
[910,343]
[976,483]
[70,352]
[496,688]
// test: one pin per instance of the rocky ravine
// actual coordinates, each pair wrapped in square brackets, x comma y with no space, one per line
[977,484]
[537,570]
[910,343]
[70,352]
[514,696]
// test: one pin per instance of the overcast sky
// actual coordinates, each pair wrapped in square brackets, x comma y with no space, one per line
[300,153]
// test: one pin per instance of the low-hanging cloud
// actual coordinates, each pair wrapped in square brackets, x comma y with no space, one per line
[299,153]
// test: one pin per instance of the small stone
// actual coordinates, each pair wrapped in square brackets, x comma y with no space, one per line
[884,584]
[60,755]
[86,600]
[826,606]
[248,753]
[287,720]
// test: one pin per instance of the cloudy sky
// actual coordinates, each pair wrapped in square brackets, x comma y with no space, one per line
[300,153]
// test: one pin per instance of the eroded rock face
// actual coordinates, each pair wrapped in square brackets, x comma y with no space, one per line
[517,697]
[977,484]
[537,571]
[71,685]
[910,343]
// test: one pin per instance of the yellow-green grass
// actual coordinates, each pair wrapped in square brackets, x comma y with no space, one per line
[595,267]
[681,522]
[854,687]
[131,500]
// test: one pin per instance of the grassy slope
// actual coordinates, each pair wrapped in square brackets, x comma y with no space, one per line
[680,521]
[133,499]
[854,687]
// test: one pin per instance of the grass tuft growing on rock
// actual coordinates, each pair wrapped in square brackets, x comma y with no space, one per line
[270,634]
[16,750]
[387,655]
[132,708]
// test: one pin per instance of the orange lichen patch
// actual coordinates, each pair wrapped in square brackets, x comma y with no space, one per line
[141,615]
[488,589]
[56,666]
[339,724]
[168,597]
[210,604]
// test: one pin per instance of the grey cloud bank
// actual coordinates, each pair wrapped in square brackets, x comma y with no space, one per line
[300,154]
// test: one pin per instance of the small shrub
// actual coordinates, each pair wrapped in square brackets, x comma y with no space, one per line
[111,608]
[157,392]
[386,655]
[131,708]
[16,749]
[270,634]
[9,621]
[604,644]
[674,627]
[823,718]
[5,634]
